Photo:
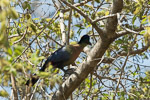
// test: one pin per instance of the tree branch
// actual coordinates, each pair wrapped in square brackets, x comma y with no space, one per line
[14,88]
[127,30]
[35,38]
[104,17]
[78,4]
[138,51]
[88,65]
[82,71]
[132,52]
[112,22]
[99,30]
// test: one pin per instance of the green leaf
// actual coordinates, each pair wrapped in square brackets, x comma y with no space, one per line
[137,10]
[78,25]
[24,5]
[119,41]
[88,26]
[5,2]
[28,16]
[37,19]
[98,1]
[13,71]
[14,14]
[107,0]
[142,32]
[133,19]
[144,21]
[106,13]
[9,51]
[33,27]
[76,15]
[4,93]
[107,53]
[87,80]
[44,74]
[18,50]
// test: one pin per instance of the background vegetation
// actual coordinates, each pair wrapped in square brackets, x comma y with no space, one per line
[30,30]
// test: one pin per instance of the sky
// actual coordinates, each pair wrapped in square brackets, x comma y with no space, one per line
[45,12]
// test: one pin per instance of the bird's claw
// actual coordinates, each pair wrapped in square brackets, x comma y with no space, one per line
[68,72]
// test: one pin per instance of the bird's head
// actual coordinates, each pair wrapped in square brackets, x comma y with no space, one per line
[85,40]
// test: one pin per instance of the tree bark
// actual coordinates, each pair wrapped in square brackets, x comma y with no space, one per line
[13,81]
[93,58]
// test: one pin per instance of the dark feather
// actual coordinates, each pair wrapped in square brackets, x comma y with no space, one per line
[62,57]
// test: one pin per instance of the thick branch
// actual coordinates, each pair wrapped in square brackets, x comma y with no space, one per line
[82,71]
[88,65]
[112,22]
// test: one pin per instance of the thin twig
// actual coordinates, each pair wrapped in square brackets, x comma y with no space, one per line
[98,29]
[78,4]
[21,38]
[53,39]
[34,90]
[104,17]
[122,70]
[35,38]
[44,91]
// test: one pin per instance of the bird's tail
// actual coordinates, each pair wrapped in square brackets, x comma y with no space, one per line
[32,81]
[35,78]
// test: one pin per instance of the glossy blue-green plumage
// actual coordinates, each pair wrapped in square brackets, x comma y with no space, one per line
[63,56]
[58,58]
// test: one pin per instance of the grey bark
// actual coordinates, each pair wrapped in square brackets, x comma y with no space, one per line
[106,38]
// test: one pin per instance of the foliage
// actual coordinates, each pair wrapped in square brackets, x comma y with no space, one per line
[26,40]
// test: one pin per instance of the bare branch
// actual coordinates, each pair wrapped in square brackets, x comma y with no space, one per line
[111,23]
[120,76]
[35,37]
[14,88]
[21,38]
[100,31]
[131,52]
[78,4]
[62,28]
[127,30]
[104,17]
[69,23]
[88,65]
[138,51]
[53,39]
[146,6]
[15,35]
[78,10]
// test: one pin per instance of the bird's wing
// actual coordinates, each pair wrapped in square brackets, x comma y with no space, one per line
[59,56]
[57,59]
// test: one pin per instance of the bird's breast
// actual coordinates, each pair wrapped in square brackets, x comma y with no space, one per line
[75,54]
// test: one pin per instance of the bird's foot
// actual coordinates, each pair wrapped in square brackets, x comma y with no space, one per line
[68,72]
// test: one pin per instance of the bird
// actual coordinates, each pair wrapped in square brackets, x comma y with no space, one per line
[62,57]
